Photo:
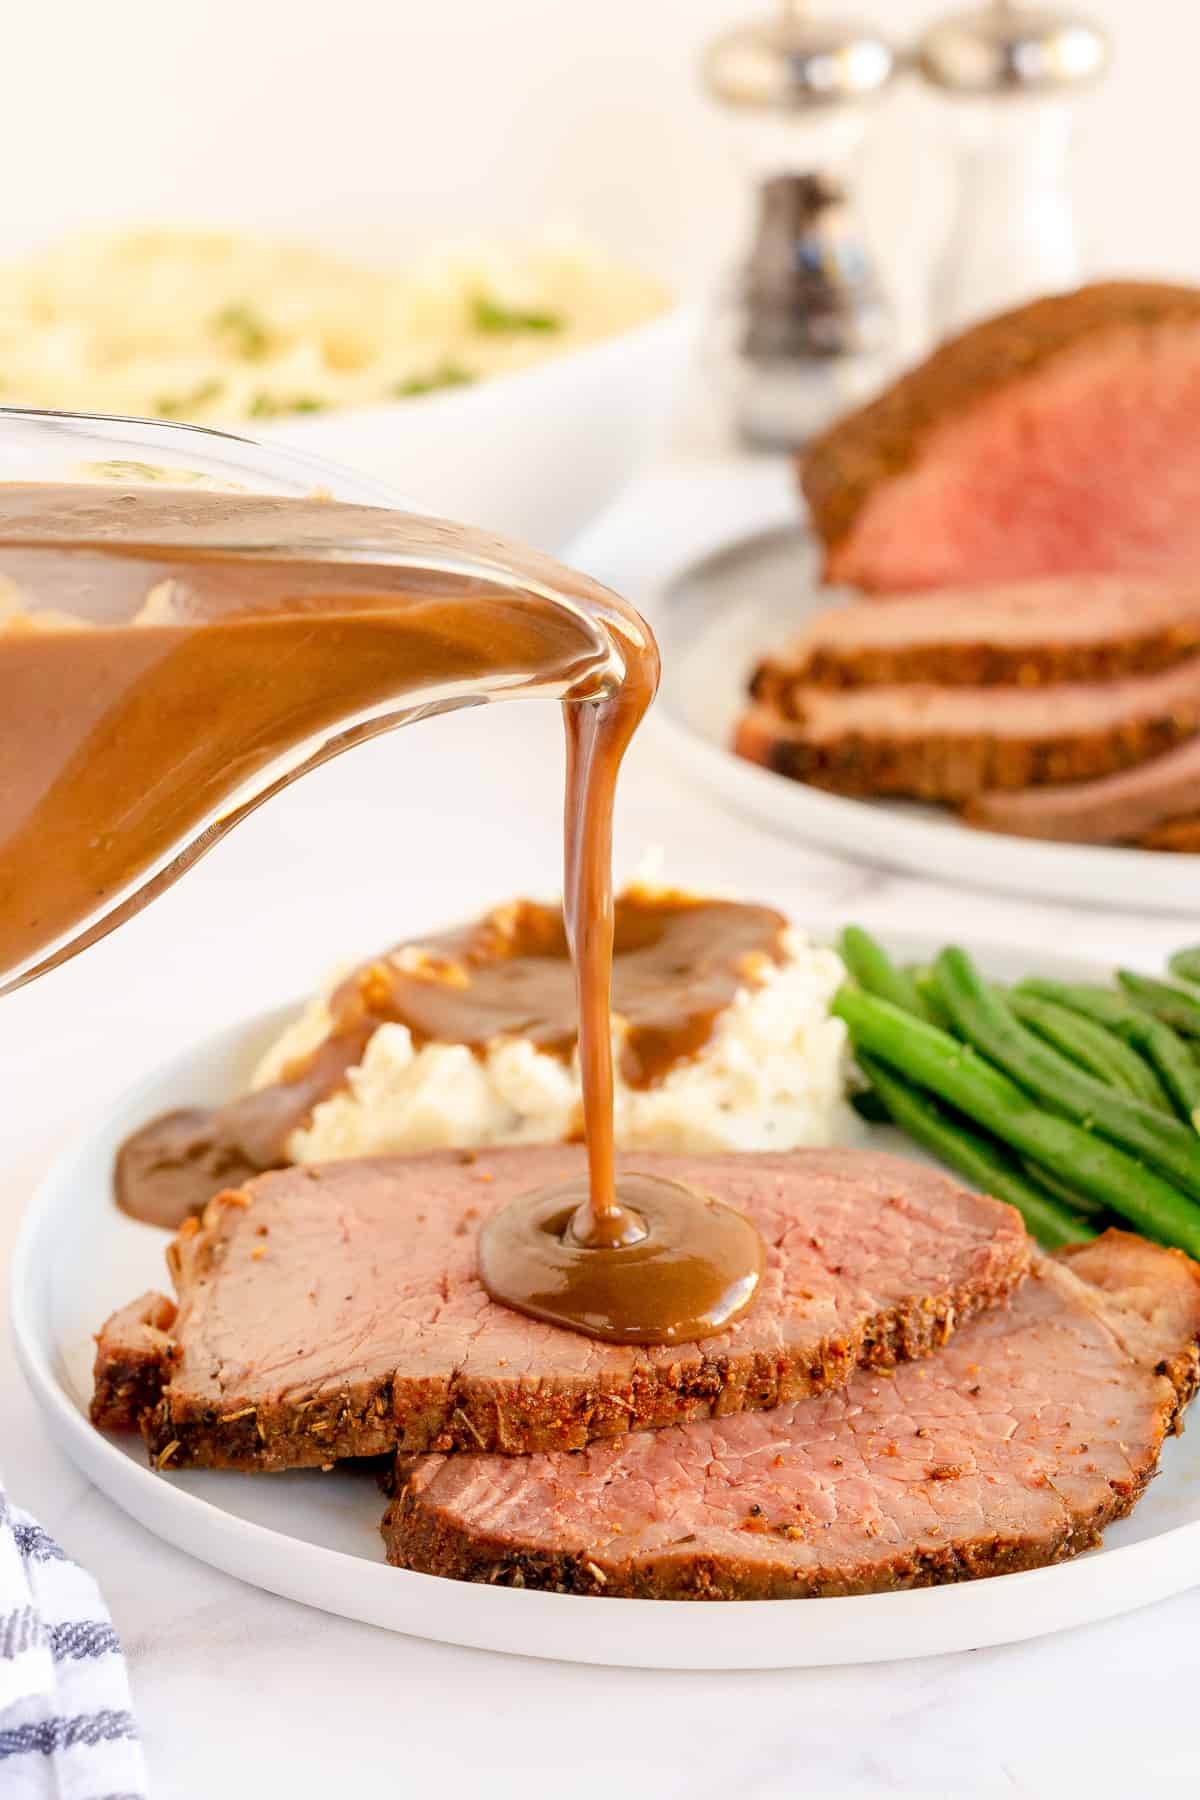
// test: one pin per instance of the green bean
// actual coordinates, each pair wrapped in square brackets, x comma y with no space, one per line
[984,1163]
[1062,1190]
[958,1074]
[873,969]
[1169,1055]
[986,1022]
[1185,964]
[1089,1044]
[921,975]
[1178,1010]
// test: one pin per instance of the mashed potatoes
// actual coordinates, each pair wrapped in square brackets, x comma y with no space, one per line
[208,326]
[770,1077]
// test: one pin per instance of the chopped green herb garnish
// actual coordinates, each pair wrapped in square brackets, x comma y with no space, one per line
[178,406]
[488,314]
[249,331]
[272,406]
[447,374]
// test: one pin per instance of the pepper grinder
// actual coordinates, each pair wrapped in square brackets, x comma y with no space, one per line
[1010,74]
[805,321]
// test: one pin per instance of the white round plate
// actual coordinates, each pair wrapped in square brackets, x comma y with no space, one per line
[717,617]
[315,1537]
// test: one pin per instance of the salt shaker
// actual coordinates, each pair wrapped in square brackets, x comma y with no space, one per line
[805,322]
[1010,74]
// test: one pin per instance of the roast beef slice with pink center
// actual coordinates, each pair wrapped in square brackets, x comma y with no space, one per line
[337,1311]
[1014,1447]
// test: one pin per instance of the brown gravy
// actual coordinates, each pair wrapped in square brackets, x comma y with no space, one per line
[217,644]
[677,963]
[171,1167]
[226,633]
[690,1270]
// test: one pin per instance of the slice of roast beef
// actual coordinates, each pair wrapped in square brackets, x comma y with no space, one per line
[1179,835]
[1054,439]
[1016,1446]
[1028,634]
[952,743]
[130,1350]
[1130,807]
[335,1311]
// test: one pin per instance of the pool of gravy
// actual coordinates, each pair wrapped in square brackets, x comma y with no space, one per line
[163,648]
[678,961]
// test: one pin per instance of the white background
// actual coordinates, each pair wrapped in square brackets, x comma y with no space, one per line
[383,122]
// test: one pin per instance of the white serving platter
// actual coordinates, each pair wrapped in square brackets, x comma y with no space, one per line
[719,612]
[314,1537]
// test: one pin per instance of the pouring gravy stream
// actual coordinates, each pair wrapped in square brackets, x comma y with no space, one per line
[196,638]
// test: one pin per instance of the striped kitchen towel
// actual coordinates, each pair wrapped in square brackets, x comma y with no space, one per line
[66,1727]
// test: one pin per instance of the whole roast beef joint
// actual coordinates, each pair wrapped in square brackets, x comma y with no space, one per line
[1053,702]
[1055,439]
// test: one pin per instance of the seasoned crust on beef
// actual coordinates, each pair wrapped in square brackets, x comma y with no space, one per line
[954,744]
[841,468]
[337,1311]
[131,1353]
[1151,804]
[1158,1291]
[417,1540]
[781,686]
[1179,835]
[1082,628]
[1032,1431]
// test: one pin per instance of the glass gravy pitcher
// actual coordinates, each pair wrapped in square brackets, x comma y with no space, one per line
[172,652]
[189,622]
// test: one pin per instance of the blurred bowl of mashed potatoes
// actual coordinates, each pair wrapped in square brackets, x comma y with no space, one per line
[517,387]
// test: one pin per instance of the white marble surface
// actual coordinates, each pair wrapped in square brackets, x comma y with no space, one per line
[241,1693]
